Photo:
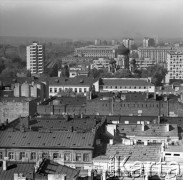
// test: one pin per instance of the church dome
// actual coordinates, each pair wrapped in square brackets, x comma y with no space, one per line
[122,50]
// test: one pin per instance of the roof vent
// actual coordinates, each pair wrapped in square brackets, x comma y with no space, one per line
[57,80]
[81,81]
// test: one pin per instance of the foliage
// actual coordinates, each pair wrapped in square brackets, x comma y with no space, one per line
[123,73]
[65,71]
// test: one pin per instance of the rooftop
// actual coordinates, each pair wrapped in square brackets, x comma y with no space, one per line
[25,168]
[126,82]
[150,130]
[75,81]
[98,47]
[33,139]
[133,153]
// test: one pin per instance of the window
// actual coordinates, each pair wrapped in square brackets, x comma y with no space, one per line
[84,89]
[22,155]
[51,90]
[78,156]
[11,155]
[1,155]
[55,90]
[176,154]
[86,157]
[55,155]
[80,90]
[67,157]
[60,89]
[33,156]
[75,90]
[167,154]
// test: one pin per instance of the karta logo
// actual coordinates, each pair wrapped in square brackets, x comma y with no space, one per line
[144,169]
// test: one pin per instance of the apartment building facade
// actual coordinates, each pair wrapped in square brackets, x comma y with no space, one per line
[159,54]
[35,58]
[174,66]
[97,51]
[148,42]
[128,42]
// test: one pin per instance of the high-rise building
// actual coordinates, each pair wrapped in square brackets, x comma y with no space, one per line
[98,42]
[35,58]
[148,42]
[128,42]
[174,66]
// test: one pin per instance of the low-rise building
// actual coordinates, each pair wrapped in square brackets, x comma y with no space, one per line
[101,63]
[127,85]
[78,84]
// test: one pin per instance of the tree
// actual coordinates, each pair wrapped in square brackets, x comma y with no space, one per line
[65,71]
[123,73]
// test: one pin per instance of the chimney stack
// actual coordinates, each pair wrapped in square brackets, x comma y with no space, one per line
[111,141]
[159,119]
[167,127]
[143,126]
[4,165]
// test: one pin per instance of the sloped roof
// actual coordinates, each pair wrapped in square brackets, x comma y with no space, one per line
[53,140]
[151,130]
[76,81]
[133,153]
[51,167]
[125,82]
[25,168]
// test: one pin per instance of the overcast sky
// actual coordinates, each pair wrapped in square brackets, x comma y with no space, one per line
[91,18]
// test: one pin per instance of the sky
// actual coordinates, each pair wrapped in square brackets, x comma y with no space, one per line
[91,18]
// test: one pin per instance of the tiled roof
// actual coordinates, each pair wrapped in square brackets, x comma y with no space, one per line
[78,124]
[35,139]
[174,148]
[76,81]
[134,153]
[125,82]
[151,130]
[25,168]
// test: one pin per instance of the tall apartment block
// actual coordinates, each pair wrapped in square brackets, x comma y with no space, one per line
[35,58]
[159,54]
[148,42]
[174,66]
[128,42]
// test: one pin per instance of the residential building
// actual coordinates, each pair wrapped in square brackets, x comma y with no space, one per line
[35,58]
[78,85]
[174,66]
[44,169]
[98,42]
[127,85]
[159,54]
[97,51]
[148,42]
[128,42]
[101,63]
[144,63]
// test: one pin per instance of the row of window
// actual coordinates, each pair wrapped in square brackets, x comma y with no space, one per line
[126,87]
[55,90]
[134,105]
[33,155]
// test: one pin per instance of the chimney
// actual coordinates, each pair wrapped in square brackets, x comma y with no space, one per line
[4,165]
[145,143]
[159,119]
[111,142]
[63,177]
[81,115]
[155,95]
[147,95]
[16,176]
[143,127]
[167,127]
